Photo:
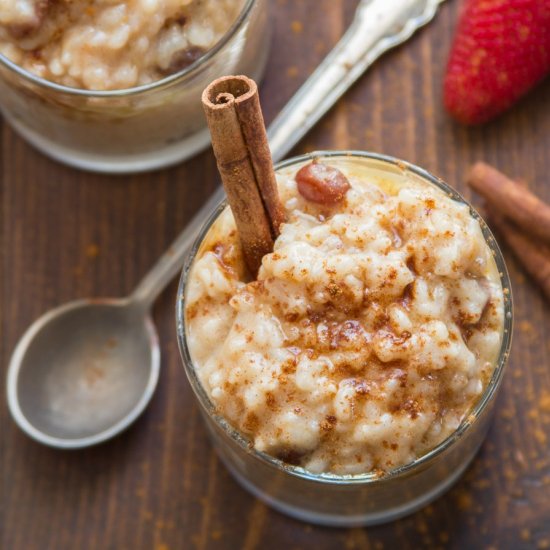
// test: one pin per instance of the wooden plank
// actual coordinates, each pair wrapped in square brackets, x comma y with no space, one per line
[68,234]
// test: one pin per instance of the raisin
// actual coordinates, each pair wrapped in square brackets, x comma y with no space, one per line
[182,59]
[320,183]
[33,22]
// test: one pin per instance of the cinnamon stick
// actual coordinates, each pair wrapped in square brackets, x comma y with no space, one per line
[533,255]
[239,140]
[512,199]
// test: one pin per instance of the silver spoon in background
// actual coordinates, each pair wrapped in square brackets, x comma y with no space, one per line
[83,372]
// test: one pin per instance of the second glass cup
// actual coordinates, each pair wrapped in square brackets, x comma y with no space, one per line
[135,129]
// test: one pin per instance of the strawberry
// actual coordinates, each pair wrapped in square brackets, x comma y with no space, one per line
[500,51]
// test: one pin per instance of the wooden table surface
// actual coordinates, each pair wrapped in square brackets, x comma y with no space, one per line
[68,234]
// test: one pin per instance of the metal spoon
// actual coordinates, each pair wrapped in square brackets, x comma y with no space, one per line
[83,372]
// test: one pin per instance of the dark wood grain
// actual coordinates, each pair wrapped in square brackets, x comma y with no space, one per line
[68,234]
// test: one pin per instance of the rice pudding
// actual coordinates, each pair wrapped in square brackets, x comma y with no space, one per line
[111,44]
[371,331]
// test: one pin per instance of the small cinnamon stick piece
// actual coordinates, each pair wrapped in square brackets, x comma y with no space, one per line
[239,140]
[534,255]
[512,199]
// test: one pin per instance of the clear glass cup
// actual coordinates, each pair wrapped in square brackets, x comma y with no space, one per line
[134,129]
[352,500]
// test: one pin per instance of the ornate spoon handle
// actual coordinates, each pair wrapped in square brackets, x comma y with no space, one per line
[378,25]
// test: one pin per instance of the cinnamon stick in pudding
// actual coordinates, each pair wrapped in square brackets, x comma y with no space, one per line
[533,255]
[512,199]
[239,140]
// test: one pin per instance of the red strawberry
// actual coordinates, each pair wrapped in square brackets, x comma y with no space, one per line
[501,50]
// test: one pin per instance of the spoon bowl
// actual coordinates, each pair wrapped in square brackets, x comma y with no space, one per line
[83,372]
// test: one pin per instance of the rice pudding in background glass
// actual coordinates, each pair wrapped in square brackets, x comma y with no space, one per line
[115,86]
[354,380]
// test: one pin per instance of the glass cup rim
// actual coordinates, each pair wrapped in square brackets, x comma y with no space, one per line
[370,477]
[135,90]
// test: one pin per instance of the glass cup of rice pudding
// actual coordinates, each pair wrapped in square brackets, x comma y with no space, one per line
[354,379]
[114,86]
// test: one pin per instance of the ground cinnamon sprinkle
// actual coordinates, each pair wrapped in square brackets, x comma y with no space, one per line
[92,251]
[544,402]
